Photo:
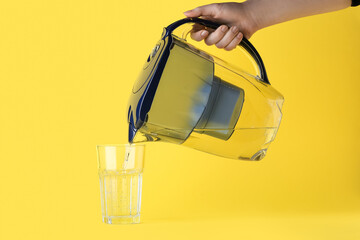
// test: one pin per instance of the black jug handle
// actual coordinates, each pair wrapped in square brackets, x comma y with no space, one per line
[244,43]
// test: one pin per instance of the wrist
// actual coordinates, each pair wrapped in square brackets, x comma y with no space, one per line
[253,21]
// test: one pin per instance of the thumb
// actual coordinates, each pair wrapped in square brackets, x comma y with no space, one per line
[206,10]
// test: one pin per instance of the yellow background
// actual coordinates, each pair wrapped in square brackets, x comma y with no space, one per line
[66,71]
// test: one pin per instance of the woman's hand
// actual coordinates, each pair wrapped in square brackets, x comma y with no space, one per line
[244,19]
[237,22]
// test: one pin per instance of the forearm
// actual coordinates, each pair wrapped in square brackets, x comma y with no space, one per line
[269,12]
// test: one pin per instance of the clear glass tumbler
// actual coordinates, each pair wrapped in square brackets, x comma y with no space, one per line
[120,173]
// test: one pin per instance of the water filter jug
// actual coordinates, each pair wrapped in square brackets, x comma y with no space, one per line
[189,96]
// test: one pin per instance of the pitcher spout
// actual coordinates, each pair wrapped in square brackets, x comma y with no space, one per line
[132,133]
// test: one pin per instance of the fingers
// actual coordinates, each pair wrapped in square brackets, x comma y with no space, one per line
[229,36]
[237,39]
[199,35]
[199,32]
[206,10]
[216,36]
[222,37]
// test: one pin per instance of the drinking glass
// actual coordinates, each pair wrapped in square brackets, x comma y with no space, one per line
[120,173]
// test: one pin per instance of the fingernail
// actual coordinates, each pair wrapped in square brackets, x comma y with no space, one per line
[203,33]
[223,28]
[234,29]
[188,11]
[239,35]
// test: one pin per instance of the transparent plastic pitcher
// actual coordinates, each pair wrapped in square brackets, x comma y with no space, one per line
[186,94]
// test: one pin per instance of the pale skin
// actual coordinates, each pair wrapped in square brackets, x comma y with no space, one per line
[244,19]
